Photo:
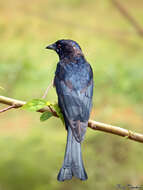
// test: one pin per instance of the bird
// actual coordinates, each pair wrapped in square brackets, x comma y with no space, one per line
[73,81]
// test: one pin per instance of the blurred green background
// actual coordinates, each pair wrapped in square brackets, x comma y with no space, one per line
[31,152]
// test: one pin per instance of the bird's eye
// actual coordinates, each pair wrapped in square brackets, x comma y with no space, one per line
[59,45]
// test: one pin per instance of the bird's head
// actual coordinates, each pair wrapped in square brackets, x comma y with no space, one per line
[66,48]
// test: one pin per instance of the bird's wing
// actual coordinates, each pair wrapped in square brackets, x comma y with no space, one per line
[75,104]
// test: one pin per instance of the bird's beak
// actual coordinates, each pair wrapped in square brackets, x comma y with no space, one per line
[52,46]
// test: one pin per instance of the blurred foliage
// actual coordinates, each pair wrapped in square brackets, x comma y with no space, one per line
[32,152]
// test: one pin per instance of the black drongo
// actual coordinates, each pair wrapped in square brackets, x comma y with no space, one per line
[74,86]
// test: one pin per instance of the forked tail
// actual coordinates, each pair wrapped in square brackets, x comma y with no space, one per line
[73,163]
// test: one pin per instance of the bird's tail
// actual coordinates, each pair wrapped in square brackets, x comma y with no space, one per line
[73,164]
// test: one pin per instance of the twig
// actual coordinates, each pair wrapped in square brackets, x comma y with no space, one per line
[91,124]
[53,112]
[128,16]
[46,91]
[7,108]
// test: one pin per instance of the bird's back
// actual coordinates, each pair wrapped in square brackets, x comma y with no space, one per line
[76,74]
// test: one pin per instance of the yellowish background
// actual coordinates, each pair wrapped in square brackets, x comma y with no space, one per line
[31,152]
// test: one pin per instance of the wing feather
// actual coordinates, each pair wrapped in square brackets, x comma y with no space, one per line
[75,101]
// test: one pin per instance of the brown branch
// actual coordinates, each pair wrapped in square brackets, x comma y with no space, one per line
[129,17]
[53,112]
[91,124]
[7,108]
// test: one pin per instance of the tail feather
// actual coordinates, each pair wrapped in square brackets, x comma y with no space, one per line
[73,164]
[65,174]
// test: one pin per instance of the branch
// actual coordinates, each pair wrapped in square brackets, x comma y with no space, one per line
[8,108]
[91,124]
[48,88]
[129,17]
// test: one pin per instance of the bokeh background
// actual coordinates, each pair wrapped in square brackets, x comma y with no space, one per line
[31,152]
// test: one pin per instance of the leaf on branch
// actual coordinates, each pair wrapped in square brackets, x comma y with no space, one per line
[49,103]
[37,104]
[46,115]
[58,111]
[34,105]
[54,106]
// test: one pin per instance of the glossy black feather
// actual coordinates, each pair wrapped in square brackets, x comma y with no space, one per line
[74,86]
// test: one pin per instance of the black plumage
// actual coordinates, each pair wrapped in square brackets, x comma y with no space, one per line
[74,85]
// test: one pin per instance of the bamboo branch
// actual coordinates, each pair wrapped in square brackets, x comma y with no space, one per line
[91,124]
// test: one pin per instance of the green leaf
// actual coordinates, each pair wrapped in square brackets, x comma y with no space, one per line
[35,104]
[48,103]
[46,115]
[58,111]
